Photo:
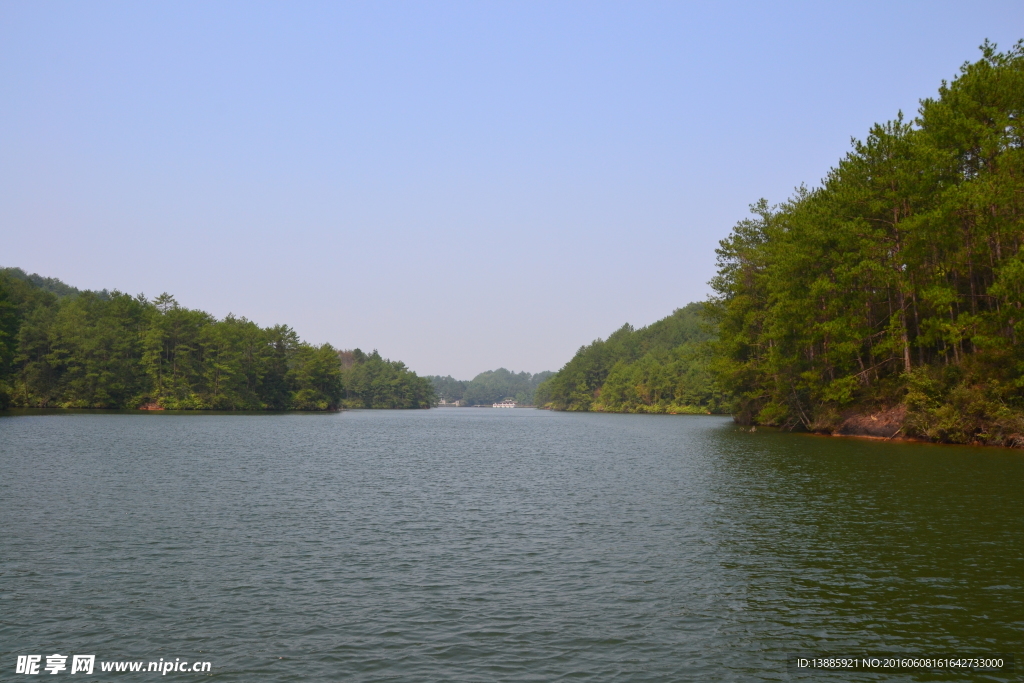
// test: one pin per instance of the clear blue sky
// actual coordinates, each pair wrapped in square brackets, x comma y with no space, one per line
[460,185]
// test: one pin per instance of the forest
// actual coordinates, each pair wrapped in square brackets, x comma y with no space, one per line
[65,348]
[886,302]
[489,387]
[662,368]
[893,292]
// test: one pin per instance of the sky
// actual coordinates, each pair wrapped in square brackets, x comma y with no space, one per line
[460,185]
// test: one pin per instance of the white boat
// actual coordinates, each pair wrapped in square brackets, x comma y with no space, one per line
[505,404]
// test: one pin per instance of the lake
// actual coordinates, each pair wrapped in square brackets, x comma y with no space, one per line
[498,545]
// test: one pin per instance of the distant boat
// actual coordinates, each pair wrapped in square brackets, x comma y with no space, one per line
[505,404]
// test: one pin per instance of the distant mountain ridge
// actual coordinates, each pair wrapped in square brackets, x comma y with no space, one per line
[489,387]
[46,284]
[661,368]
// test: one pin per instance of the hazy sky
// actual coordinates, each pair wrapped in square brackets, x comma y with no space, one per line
[462,186]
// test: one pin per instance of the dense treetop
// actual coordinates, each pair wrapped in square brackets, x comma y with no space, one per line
[61,347]
[896,285]
[895,288]
[661,368]
[47,284]
[490,387]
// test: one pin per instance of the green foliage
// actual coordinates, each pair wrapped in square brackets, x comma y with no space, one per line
[497,385]
[10,321]
[662,368]
[448,388]
[316,374]
[88,352]
[374,382]
[674,381]
[899,281]
[61,347]
[46,284]
[490,387]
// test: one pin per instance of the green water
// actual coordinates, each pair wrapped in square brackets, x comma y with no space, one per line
[485,545]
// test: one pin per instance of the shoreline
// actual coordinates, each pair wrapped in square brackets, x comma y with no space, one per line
[11,412]
[914,439]
[899,438]
[888,425]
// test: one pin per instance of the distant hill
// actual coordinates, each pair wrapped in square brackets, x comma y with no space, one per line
[661,368]
[490,387]
[46,284]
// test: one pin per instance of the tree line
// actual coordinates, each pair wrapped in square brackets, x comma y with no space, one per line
[61,347]
[894,288]
[898,283]
[662,368]
[490,387]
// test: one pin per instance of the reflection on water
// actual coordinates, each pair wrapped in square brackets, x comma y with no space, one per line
[497,545]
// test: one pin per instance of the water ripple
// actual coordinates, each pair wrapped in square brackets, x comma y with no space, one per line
[476,545]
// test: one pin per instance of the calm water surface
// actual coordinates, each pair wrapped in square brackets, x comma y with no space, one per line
[486,545]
